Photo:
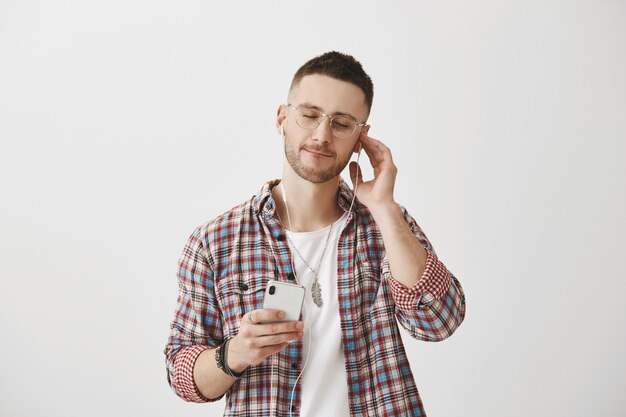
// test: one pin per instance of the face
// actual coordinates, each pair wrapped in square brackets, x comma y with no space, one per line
[317,155]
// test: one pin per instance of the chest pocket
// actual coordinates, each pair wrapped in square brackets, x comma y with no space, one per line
[367,283]
[238,294]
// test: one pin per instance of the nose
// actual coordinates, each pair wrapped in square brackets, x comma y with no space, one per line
[322,132]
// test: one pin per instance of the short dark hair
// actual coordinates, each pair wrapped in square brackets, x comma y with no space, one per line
[341,67]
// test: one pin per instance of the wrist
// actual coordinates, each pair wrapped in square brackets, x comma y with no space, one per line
[234,363]
[221,357]
[385,210]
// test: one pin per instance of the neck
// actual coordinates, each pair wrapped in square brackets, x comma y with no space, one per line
[311,206]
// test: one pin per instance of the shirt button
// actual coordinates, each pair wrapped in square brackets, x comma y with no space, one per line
[280,236]
[293,408]
[243,287]
[294,366]
[291,276]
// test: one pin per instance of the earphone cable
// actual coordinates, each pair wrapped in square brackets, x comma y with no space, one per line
[306,360]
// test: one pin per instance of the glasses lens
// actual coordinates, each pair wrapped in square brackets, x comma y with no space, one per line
[342,126]
[308,118]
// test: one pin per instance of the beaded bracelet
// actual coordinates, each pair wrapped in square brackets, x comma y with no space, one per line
[221,357]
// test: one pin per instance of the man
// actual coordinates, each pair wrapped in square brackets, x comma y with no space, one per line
[365,263]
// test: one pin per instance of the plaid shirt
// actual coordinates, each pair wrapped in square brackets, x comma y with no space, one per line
[222,274]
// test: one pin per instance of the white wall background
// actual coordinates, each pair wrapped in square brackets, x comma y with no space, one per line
[125,124]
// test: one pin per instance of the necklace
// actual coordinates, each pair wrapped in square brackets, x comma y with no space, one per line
[316,289]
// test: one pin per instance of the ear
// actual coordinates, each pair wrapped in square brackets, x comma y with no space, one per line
[358,146]
[281,115]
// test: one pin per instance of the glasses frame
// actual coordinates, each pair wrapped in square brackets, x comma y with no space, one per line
[330,121]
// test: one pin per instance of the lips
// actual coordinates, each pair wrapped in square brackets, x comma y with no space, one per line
[317,153]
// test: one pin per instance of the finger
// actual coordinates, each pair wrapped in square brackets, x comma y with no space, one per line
[355,174]
[377,152]
[270,350]
[276,328]
[258,316]
[371,140]
[250,317]
[378,146]
[277,339]
[372,151]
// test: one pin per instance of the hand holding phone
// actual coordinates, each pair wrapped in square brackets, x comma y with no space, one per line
[269,330]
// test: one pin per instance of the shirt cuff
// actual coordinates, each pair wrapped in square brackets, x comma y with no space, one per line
[183,374]
[431,286]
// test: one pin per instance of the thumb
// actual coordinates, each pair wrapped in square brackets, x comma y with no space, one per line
[355,174]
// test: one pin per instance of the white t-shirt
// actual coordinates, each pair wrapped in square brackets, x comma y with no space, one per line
[324,379]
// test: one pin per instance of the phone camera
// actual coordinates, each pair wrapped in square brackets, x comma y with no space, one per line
[272,290]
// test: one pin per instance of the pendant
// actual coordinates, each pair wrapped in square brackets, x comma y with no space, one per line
[316,293]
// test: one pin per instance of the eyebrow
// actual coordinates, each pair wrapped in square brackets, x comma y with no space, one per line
[313,106]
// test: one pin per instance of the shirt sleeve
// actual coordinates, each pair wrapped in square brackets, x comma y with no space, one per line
[183,382]
[434,307]
[197,324]
[432,285]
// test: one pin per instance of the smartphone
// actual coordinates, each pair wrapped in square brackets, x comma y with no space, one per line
[286,297]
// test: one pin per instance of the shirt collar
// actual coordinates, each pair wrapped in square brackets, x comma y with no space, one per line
[264,202]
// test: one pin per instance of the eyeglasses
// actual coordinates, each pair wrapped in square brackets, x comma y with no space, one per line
[340,124]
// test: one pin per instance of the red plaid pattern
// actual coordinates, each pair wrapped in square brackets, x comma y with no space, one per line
[223,271]
[431,286]
[183,374]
